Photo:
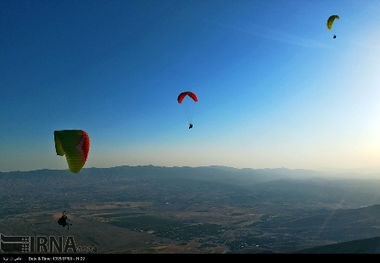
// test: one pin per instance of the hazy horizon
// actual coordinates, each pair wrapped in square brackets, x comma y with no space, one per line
[359,173]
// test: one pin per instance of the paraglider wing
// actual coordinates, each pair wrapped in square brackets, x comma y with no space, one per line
[330,21]
[187,93]
[75,145]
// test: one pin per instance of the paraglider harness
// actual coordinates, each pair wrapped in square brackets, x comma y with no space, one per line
[64,221]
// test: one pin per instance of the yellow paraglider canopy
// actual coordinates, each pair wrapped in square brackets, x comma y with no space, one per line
[330,21]
[75,145]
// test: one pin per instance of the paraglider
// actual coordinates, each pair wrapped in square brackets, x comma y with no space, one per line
[181,98]
[64,221]
[182,95]
[330,22]
[75,145]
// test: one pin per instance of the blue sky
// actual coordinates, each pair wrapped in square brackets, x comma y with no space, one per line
[275,89]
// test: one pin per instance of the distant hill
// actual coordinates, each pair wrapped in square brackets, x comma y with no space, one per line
[362,246]
[280,186]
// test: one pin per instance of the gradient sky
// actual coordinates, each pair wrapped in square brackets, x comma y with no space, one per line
[275,89]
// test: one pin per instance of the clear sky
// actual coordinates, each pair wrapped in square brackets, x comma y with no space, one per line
[275,89]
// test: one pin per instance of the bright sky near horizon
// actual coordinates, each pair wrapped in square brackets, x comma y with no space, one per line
[275,88]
